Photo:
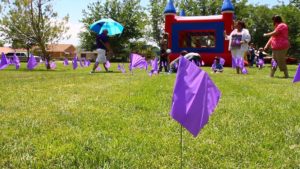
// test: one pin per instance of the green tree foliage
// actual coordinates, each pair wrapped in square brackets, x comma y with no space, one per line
[33,22]
[295,3]
[1,43]
[156,18]
[127,12]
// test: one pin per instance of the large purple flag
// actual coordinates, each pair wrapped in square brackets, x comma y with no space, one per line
[74,62]
[297,75]
[4,62]
[66,62]
[195,97]
[16,61]
[32,63]
[137,61]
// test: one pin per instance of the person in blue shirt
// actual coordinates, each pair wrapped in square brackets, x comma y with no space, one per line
[103,48]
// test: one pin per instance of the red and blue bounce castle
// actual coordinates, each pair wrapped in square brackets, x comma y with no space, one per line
[200,34]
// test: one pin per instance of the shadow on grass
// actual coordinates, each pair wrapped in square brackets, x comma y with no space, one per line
[35,70]
[107,72]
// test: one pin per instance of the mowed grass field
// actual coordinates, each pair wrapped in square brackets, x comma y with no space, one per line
[68,118]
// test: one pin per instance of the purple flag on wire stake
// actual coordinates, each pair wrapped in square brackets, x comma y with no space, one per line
[137,61]
[66,62]
[32,63]
[195,97]
[81,63]
[261,62]
[297,75]
[52,65]
[121,68]
[4,62]
[274,64]
[87,62]
[98,68]
[74,62]
[16,61]
[154,65]
[107,64]
[244,70]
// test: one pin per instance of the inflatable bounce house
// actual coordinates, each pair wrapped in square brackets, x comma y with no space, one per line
[200,34]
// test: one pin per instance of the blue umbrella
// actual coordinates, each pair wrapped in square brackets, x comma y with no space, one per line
[113,27]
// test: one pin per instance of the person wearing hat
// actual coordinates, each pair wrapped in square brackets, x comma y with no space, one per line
[279,42]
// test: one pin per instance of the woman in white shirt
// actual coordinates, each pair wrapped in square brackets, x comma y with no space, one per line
[238,45]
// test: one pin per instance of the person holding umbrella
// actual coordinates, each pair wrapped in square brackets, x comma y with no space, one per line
[103,47]
[104,27]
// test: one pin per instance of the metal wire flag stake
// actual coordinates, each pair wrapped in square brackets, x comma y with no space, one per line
[195,97]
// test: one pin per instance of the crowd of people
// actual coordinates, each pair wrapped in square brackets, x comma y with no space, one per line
[239,45]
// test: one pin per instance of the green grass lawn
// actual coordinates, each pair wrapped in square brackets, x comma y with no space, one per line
[70,119]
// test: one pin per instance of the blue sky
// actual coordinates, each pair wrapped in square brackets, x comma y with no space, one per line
[74,9]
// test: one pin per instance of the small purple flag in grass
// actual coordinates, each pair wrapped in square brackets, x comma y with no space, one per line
[87,62]
[66,62]
[297,75]
[244,70]
[32,63]
[52,65]
[121,68]
[81,63]
[98,68]
[274,64]
[154,66]
[195,97]
[4,62]
[74,62]
[16,61]
[107,64]
[261,62]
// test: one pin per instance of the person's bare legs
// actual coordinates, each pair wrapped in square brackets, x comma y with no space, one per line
[105,67]
[95,66]
[237,70]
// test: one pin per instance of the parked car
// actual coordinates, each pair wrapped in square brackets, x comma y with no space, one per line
[22,56]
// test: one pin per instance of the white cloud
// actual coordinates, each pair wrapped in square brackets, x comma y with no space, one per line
[74,29]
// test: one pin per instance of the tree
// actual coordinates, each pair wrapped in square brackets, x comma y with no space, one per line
[156,18]
[1,43]
[127,12]
[33,22]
